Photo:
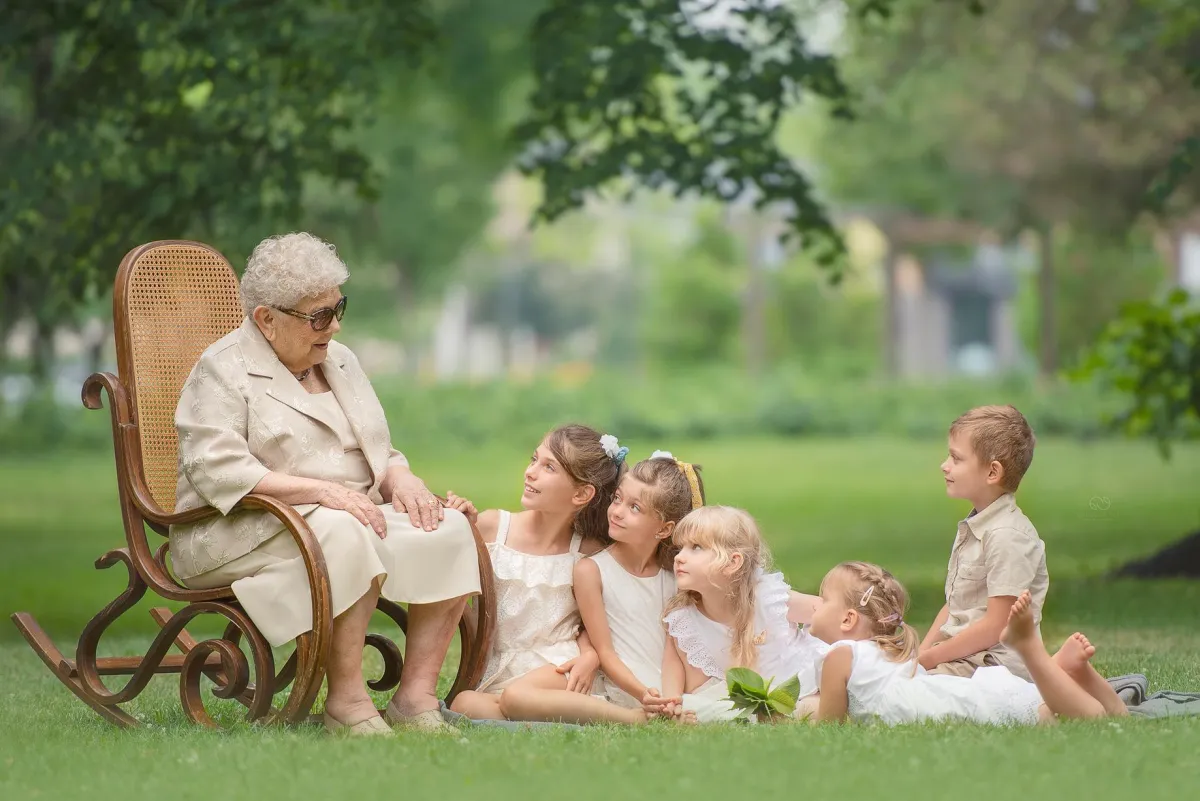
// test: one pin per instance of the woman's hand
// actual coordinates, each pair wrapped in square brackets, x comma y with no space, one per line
[463,505]
[336,496]
[581,672]
[407,493]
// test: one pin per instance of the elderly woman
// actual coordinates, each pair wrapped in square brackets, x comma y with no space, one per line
[279,408]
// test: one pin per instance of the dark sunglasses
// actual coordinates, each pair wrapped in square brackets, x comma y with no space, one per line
[321,318]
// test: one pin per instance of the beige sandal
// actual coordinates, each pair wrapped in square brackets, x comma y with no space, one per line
[430,721]
[373,726]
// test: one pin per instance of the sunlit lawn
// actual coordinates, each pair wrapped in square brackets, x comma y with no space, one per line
[818,502]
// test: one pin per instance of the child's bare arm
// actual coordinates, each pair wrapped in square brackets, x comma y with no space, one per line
[979,636]
[589,594]
[801,607]
[934,635]
[664,702]
[581,671]
[835,675]
[488,524]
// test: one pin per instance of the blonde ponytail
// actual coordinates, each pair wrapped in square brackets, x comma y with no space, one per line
[901,645]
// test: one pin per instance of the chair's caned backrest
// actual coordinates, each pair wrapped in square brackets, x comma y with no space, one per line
[172,300]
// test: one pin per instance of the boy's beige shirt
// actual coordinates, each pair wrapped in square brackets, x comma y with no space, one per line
[997,552]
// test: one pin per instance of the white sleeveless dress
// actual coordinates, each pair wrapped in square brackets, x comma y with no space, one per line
[882,691]
[784,650]
[537,618]
[633,606]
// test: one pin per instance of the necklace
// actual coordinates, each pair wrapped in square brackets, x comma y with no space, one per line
[303,374]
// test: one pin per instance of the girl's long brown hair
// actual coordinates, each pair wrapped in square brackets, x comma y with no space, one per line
[726,531]
[577,448]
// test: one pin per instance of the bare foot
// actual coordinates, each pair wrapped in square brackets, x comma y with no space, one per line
[1074,654]
[1020,629]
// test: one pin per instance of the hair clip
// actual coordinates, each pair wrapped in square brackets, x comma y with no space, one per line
[615,451]
[866,596]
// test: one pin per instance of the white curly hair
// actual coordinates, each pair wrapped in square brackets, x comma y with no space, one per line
[283,270]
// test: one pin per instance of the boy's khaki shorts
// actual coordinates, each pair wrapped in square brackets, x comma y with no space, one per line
[967,666]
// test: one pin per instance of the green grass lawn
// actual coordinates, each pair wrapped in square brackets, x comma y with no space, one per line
[818,502]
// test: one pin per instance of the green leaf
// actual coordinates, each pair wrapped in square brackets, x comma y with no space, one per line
[781,706]
[196,96]
[786,693]
[747,678]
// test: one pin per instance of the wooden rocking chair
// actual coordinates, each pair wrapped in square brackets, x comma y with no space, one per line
[171,300]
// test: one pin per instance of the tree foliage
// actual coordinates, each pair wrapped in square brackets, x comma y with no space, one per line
[1151,355]
[1032,112]
[136,120]
[676,94]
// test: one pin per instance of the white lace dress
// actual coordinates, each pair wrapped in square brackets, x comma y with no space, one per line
[784,650]
[537,618]
[633,607]
[882,691]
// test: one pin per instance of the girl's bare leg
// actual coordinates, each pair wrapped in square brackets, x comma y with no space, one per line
[1061,693]
[1075,658]
[477,706]
[543,695]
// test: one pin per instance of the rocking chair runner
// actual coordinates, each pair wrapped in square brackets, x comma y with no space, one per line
[171,300]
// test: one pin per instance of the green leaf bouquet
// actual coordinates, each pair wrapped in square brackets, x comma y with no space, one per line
[759,701]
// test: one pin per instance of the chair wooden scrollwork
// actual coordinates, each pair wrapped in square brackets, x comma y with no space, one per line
[171,300]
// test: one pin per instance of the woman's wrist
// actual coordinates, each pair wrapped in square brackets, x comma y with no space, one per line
[393,476]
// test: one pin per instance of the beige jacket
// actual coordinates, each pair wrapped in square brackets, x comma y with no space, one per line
[241,415]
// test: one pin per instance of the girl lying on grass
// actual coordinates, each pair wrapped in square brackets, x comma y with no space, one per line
[870,672]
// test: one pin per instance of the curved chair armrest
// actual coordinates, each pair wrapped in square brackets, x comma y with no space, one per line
[293,522]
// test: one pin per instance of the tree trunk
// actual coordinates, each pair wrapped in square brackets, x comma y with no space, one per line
[42,361]
[1047,316]
[10,298]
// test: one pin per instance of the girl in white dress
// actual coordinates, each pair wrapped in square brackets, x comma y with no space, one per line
[729,612]
[871,672]
[622,591]
[568,486]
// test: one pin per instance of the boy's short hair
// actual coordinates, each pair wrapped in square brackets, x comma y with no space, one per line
[1001,434]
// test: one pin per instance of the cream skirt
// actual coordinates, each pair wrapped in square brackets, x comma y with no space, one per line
[417,566]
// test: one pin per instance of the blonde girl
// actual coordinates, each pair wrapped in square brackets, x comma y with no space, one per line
[621,591]
[567,488]
[729,611]
[871,671]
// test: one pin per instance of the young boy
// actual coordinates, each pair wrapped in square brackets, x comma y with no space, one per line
[997,554]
